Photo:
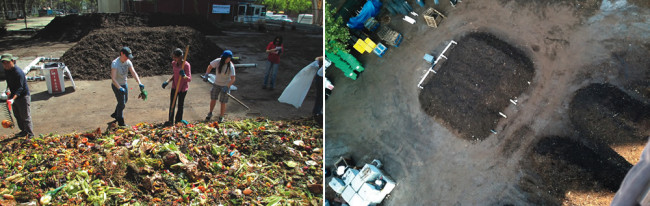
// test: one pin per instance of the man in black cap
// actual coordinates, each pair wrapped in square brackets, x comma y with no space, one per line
[120,68]
[19,96]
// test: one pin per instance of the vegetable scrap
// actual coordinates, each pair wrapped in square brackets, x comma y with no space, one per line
[248,162]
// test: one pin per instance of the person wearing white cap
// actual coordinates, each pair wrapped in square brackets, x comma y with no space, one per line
[225,77]
[19,96]
[120,68]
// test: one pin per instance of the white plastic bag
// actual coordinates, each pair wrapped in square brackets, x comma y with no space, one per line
[297,89]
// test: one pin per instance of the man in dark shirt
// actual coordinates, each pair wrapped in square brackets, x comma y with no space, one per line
[19,96]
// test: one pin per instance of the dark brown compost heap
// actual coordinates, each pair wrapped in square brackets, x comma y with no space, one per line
[91,57]
[475,84]
[593,163]
[74,27]
[607,115]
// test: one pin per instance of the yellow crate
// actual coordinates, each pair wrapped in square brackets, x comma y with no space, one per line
[360,46]
[370,44]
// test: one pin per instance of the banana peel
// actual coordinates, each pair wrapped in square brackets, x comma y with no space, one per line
[143,95]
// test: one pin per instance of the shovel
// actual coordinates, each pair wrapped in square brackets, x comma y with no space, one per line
[211,78]
[240,102]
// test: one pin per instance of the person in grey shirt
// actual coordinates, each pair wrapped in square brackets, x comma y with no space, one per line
[120,68]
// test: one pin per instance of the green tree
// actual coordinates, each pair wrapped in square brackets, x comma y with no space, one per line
[336,33]
[74,4]
[296,6]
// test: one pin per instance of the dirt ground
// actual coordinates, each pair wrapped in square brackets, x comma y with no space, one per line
[90,105]
[572,44]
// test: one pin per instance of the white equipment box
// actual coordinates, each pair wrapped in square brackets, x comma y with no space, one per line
[349,175]
[337,185]
[369,172]
[356,183]
[348,193]
[358,201]
[366,187]
[370,193]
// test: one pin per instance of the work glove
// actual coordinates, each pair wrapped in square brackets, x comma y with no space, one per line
[141,87]
[182,73]
[165,84]
[205,77]
[143,95]
[10,101]
[122,90]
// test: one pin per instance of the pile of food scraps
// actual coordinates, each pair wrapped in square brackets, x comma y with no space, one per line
[248,162]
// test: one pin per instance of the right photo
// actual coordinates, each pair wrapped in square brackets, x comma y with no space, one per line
[494,102]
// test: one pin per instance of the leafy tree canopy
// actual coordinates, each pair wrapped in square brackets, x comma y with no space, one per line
[336,33]
[296,6]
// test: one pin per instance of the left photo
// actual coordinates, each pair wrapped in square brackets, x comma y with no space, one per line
[163,102]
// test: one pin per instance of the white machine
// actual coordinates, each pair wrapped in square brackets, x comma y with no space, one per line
[368,186]
[52,71]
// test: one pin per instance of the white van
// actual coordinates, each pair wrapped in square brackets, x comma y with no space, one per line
[306,19]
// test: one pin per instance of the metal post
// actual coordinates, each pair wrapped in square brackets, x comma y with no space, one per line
[435,62]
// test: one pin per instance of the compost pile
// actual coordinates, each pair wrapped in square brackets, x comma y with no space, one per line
[255,161]
[475,84]
[91,57]
[74,27]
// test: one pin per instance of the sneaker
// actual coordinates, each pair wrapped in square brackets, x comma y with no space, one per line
[220,120]
[207,118]
[20,134]
[167,124]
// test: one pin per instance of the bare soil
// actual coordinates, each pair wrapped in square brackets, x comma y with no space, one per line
[543,153]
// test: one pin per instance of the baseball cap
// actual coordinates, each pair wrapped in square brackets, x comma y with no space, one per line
[178,52]
[226,54]
[7,57]
[127,52]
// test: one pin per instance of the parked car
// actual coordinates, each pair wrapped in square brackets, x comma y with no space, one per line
[305,19]
[281,17]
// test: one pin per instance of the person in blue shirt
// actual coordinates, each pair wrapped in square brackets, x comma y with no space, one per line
[18,96]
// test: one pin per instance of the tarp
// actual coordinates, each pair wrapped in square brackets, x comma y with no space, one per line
[370,9]
[398,7]
[297,89]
